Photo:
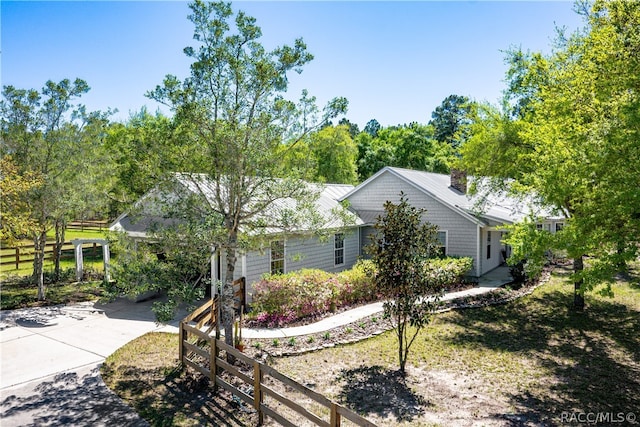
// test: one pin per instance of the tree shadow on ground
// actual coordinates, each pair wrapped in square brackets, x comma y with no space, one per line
[376,390]
[69,399]
[165,398]
[593,357]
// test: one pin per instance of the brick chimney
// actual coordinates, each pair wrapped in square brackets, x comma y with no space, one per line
[459,180]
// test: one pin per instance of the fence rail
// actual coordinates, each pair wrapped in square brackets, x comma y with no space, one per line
[202,354]
[24,254]
[88,224]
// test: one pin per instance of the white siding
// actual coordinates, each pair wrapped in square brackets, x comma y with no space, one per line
[303,252]
[461,232]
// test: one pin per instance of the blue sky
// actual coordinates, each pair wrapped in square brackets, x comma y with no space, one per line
[393,61]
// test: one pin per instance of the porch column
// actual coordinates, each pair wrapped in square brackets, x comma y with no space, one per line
[106,256]
[77,248]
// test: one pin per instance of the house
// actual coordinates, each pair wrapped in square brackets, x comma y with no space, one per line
[468,225]
[334,249]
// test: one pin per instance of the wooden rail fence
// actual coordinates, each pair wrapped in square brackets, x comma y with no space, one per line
[88,224]
[200,350]
[24,254]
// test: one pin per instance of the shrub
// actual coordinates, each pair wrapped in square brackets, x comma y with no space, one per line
[446,272]
[280,299]
[356,285]
[284,298]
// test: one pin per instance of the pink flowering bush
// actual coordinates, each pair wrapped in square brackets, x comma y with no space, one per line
[281,299]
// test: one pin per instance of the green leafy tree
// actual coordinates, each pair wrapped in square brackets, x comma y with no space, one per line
[409,146]
[372,127]
[235,120]
[51,137]
[573,143]
[335,155]
[451,120]
[143,149]
[400,249]
[15,211]
[354,130]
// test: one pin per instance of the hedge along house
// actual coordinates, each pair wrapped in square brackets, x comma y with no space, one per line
[469,226]
[334,247]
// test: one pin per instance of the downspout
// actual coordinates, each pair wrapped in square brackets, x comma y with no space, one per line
[478,248]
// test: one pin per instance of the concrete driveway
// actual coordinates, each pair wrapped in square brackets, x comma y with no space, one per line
[50,358]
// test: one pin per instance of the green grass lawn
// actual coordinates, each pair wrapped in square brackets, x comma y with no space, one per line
[17,292]
[527,362]
[26,268]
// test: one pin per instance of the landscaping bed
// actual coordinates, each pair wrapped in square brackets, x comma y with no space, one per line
[519,362]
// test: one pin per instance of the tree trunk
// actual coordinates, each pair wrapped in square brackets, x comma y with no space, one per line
[402,324]
[39,243]
[61,227]
[227,302]
[578,296]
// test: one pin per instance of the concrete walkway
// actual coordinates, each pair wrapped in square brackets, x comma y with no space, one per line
[487,283]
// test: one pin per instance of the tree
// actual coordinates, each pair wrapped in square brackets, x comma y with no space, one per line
[235,122]
[451,119]
[15,212]
[400,249]
[144,149]
[409,146]
[573,145]
[50,137]
[354,130]
[372,127]
[335,155]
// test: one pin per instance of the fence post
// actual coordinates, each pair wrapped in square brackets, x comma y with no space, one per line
[335,416]
[213,373]
[243,294]
[17,258]
[257,391]
[181,339]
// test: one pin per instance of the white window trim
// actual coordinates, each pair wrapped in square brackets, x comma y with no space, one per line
[284,256]
[344,247]
[446,241]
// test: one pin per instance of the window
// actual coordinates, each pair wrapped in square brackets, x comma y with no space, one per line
[559,226]
[441,245]
[277,257]
[338,245]
[489,245]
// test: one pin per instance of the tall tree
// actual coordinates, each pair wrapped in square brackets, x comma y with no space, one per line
[400,249]
[354,130]
[144,149]
[575,144]
[47,134]
[409,146]
[372,127]
[15,210]
[237,122]
[335,155]
[451,120]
